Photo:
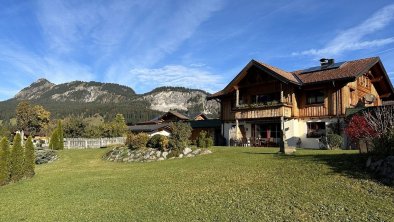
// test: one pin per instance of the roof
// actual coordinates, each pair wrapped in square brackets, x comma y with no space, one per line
[350,69]
[276,72]
[346,71]
[148,128]
[175,113]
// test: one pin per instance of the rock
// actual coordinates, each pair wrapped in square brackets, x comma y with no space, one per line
[196,152]
[152,152]
[158,154]
[45,156]
[189,155]
[180,155]
[187,150]
[164,154]
[160,159]
[205,151]
[147,155]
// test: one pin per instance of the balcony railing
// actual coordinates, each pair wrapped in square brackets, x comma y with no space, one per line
[254,111]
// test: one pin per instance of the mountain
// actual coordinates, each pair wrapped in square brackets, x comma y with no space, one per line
[88,98]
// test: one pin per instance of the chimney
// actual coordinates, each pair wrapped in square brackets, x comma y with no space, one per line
[326,62]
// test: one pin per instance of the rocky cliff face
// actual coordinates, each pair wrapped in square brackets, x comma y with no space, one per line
[35,90]
[170,99]
[160,99]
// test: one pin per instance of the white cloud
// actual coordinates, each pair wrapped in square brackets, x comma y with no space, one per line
[31,66]
[353,38]
[174,75]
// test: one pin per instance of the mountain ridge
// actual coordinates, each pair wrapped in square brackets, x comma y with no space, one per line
[110,98]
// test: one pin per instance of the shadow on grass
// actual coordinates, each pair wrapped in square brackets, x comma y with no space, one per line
[350,165]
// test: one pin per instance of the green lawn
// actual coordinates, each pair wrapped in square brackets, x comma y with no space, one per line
[232,184]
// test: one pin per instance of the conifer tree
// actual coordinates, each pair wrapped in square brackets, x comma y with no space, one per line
[17,158]
[53,143]
[60,135]
[4,161]
[29,162]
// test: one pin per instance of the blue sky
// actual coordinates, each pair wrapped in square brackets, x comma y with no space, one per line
[196,44]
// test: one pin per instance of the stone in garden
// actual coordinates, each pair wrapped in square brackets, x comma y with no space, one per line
[187,150]
[203,152]
[158,153]
[180,155]
[160,159]
[196,152]
[189,155]
[164,154]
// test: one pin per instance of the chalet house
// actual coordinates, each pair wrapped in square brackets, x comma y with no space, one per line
[267,106]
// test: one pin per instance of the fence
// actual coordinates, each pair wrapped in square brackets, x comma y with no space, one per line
[86,143]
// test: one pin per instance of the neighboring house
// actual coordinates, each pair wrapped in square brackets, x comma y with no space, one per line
[263,101]
[198,122]
[159,125]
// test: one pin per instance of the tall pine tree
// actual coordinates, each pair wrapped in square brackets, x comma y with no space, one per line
[29,162]
[4,161]
[53,143]
[17,158]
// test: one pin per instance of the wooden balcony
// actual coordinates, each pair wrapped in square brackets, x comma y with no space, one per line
[255,111]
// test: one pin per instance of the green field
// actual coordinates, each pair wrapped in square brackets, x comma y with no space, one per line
[232,184]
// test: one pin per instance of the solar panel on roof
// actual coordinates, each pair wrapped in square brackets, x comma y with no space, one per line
[321,68]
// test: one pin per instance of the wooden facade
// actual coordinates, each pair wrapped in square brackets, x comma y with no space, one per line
[291,101]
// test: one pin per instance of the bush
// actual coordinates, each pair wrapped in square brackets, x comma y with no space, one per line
[159,142]
[335,141]
[137,141]
[204,140]
[4,161]
[180,134]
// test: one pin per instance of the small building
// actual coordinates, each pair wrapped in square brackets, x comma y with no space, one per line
[267,106]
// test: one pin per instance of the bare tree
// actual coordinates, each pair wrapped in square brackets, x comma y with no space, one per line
[381,120]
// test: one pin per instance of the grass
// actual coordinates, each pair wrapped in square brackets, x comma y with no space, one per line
[232,184]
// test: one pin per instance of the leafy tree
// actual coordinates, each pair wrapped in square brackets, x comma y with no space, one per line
[31,118]
[29,162]
[74,127]
[4,161]
[17,158]
[24,115]
[119,125]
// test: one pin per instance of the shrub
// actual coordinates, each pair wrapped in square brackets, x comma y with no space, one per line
[180,134]
[60,135]
[137,141]
[17,158]
[29,161]
[384,145]
[204,140]
[158,141]
[4,161]
[335,141]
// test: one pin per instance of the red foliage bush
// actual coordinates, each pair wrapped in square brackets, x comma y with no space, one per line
[359,128]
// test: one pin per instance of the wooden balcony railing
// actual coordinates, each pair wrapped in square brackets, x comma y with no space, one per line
[254,111]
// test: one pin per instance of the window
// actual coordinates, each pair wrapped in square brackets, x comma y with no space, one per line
[315,97]
[266,98]
[316,129]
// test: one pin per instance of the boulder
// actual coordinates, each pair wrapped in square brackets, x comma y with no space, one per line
[180,155]
[205,151]
[158,154]
[196,152]
[187,150]
[164,154]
